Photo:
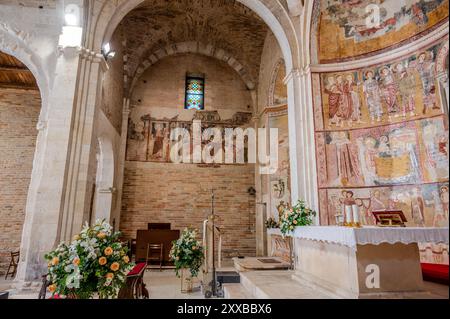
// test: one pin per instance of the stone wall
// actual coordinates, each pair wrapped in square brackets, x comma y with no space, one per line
[181,195]
[156,190]
[19,115]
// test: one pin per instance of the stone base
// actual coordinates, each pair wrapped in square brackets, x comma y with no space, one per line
[346,273]
[255,263]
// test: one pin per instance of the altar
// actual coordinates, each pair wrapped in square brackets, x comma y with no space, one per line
[369,262]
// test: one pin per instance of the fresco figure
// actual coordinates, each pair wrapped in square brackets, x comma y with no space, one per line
[352,88]
[406,86]
[443,195]
[334,98]
[390,90]
[347,161]
[372,93]
[376,204]
[345,110]
[417,207]
[425,67]
[350,207]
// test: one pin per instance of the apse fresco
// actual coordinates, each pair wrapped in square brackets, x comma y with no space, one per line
[382,138]
[388,93]
[404,153]
[343,32]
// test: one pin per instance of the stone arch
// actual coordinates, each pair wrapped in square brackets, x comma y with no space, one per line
[273,14]
[196,48]
[104,179]
[14,43]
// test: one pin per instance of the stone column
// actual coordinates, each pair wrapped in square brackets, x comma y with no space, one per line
[122,160]
[301,137]
[76,205]
[46,192]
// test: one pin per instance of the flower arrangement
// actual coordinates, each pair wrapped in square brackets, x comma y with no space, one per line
[94,262]
[187,252]
[298,215]
[271,223]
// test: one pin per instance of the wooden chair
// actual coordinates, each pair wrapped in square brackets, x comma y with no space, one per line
[159,250]
[14,262]
[134,287]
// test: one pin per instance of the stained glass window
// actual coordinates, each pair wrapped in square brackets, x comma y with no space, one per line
[195,96]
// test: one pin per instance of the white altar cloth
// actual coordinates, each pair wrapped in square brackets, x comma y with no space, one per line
[352,237]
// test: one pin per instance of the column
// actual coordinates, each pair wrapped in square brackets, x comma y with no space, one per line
[301,137]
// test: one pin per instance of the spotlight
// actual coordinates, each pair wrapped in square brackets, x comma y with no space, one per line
[107,53]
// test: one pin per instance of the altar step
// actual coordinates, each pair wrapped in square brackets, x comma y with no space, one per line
[270,284]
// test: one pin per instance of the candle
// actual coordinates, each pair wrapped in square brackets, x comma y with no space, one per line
[355,214]
[348,215]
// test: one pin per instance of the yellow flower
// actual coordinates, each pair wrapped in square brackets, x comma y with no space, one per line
[295,222]
[110,275]
[49,264]
[102,261]
[126,259]
[52,288]
[115,266]
[101,235]
[55,261]
[194,247]
[108,251]
[76,237]
[76,261]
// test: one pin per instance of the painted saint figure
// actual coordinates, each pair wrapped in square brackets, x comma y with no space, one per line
[417,208]
[425,67]
[406,86]
[372,94]
[390,89]
[352,88]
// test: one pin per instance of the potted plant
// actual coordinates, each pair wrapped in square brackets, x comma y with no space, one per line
[187,255]
[295,216]
[94,263]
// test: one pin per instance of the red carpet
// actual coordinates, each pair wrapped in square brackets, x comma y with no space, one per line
[435,273]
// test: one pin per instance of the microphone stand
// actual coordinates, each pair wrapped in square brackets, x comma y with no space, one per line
[213,282]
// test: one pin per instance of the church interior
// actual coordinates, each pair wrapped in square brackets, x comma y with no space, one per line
[352,97]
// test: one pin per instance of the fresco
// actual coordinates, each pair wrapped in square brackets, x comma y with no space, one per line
[149,138]
[344,33]
[404,153]
[280,195]
[382,140]
[387,93]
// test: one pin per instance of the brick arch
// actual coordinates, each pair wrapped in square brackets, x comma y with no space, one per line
[272,12]
[196,48]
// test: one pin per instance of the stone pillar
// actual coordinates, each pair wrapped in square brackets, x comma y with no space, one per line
[75,210]
[122,159]
[301,138]
[46,192]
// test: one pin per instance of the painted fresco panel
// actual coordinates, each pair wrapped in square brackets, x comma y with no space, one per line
[343,32]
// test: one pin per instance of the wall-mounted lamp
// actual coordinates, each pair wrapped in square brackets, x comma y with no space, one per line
[107,52]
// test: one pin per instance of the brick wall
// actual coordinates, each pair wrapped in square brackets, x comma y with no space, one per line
[180,194]
[19,112]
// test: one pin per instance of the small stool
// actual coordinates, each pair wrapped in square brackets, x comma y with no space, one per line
[155,248]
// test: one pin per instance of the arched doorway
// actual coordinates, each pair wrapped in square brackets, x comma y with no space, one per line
[20,108]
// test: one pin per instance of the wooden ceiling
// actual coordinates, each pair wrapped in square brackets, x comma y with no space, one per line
[14,74]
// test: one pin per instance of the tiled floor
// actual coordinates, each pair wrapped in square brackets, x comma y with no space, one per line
[265,284]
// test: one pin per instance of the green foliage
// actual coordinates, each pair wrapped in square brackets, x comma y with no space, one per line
[95,262]
[187,253]
[298,215]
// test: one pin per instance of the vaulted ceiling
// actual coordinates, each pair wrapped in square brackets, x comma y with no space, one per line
[223,24]
[14,74]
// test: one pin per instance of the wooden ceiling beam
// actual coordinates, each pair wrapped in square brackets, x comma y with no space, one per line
[10,68]
[18,86]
